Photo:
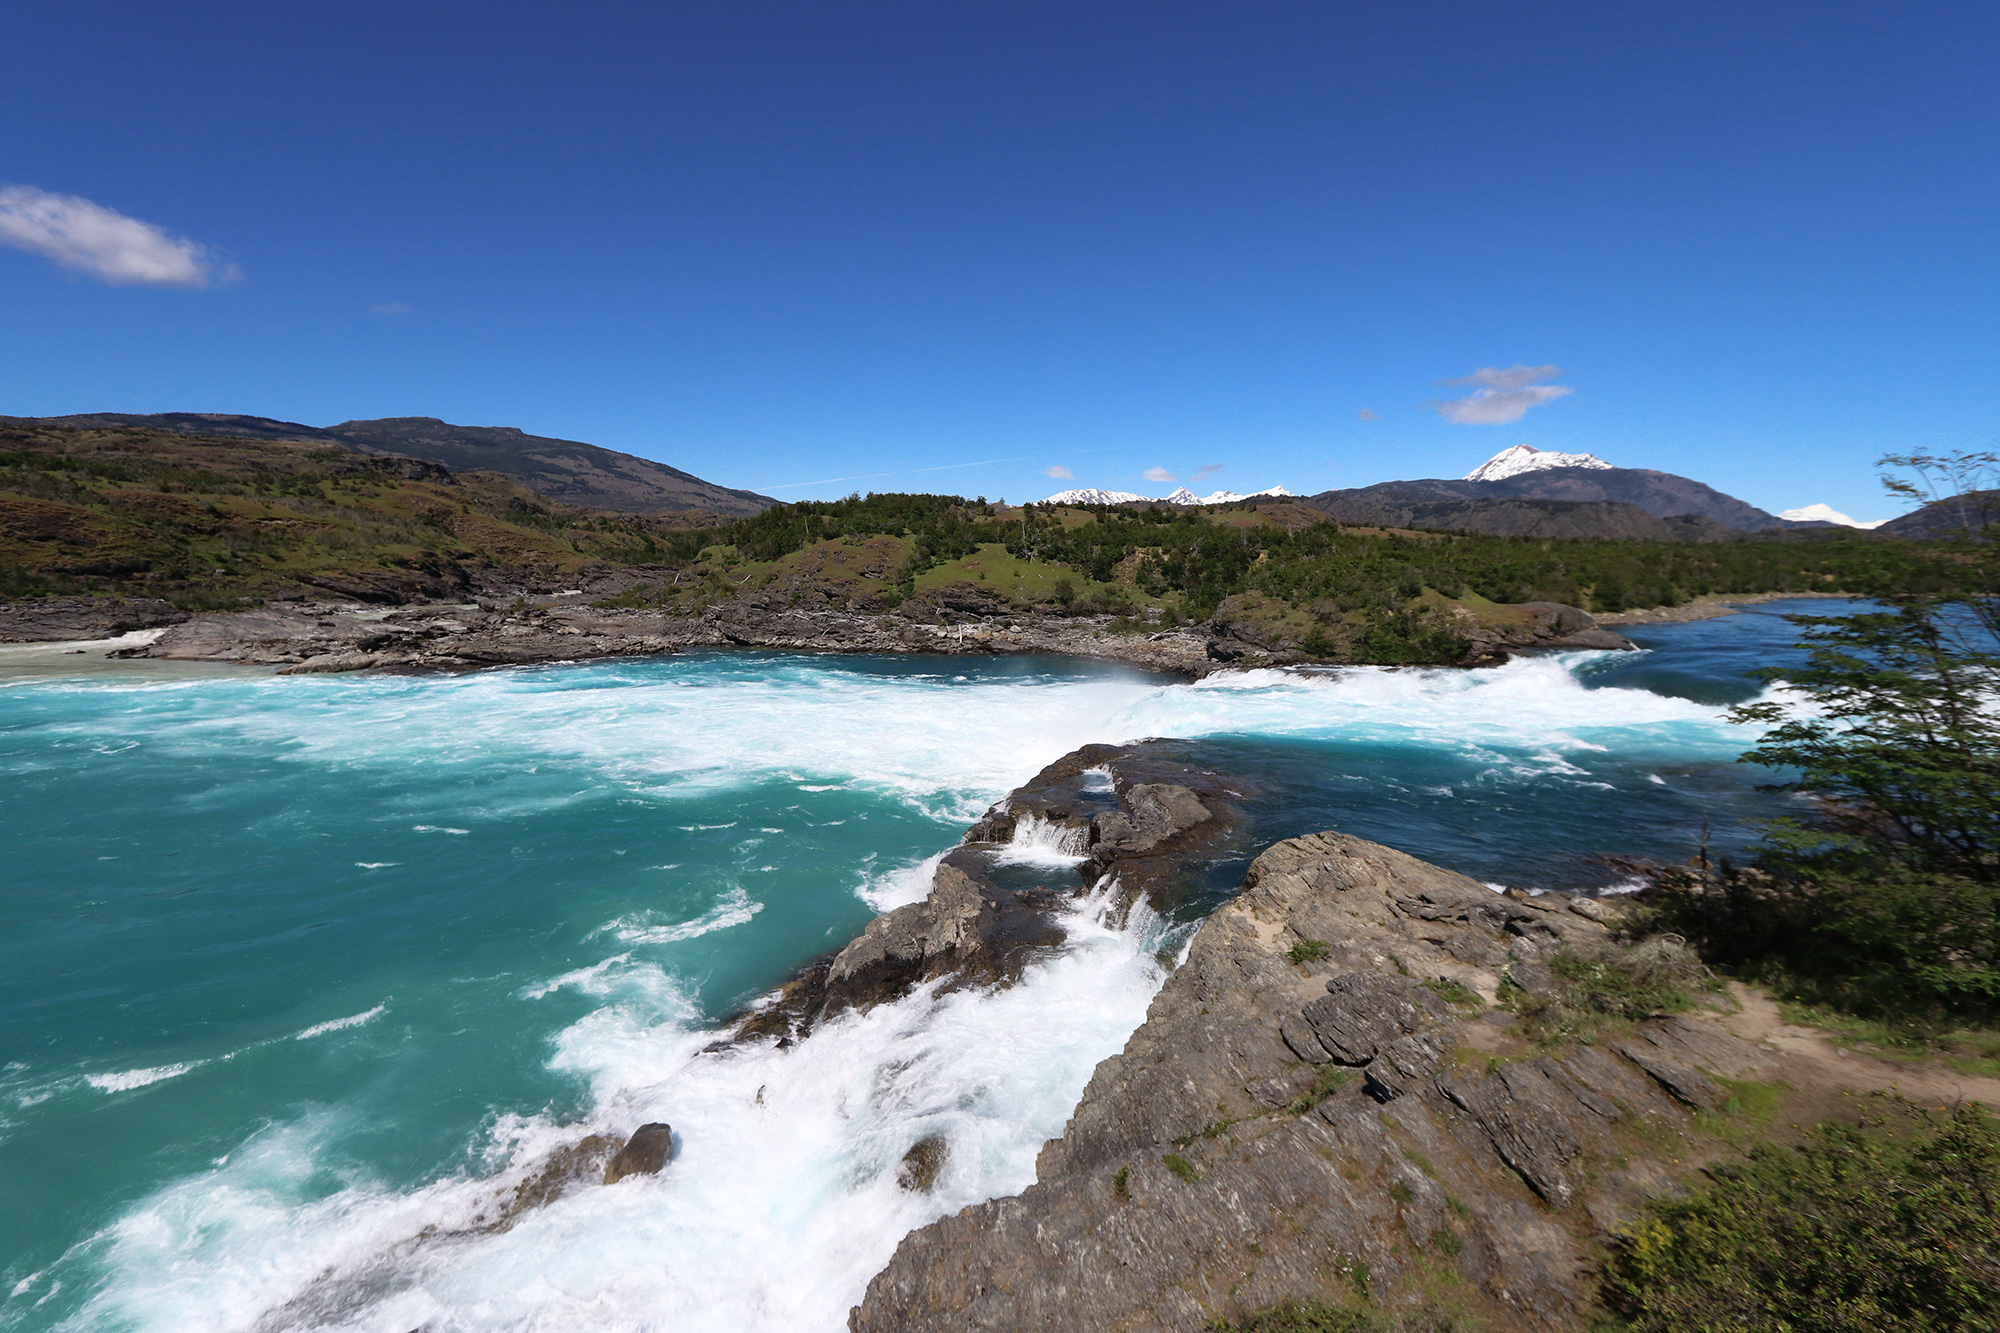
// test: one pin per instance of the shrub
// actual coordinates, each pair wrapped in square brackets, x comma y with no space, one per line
[1893,1225]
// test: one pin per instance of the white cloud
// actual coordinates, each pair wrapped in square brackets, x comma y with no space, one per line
[1367,414]
[108,246]
[1501,397]
[1204,470]
[1059,471]
[1159,474]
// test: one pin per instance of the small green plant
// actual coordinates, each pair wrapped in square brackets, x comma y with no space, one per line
[1421,1162]
[1455,992]
[1181,1167]
[1401,1192]
[1308,951]
[1121,1183]
[1448,1242]
[1330,1079]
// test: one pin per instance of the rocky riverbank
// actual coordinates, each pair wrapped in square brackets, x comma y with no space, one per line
[309,637]
[1324,1103]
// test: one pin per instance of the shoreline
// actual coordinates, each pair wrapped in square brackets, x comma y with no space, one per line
[302,638]
[1711,607]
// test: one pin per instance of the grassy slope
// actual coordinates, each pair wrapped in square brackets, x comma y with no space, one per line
[204,521]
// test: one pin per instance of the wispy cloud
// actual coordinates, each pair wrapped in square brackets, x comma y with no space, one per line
[1206,469]
[106,245]
[1059,471]
[1500,397]
[1159,474]
[1367,414]
[392,308]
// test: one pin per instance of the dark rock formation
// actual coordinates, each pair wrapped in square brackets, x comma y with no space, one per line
[650,1148]
[1222,1162]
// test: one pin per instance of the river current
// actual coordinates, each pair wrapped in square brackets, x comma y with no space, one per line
[299,974]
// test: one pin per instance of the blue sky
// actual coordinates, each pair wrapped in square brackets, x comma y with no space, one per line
[810,248]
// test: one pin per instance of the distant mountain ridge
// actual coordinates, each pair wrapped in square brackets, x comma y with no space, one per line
[1661,494]
[566,470]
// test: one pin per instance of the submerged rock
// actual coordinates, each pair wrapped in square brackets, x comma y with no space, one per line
[921,1164]
[650,1148]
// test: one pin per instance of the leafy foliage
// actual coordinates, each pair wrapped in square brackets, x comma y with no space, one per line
[1895,1225]
[1886,900]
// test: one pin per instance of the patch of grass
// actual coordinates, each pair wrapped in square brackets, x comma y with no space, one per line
[1969,1050]
[1448,1242]
[1455,992]
[1331,1079]
[1742,1118]
[1401,1193]
[1181,1167]
[1656,976]
[1308,951]
[1889,1225]
[1121,1183]
[1303,1316]
[1421,1162]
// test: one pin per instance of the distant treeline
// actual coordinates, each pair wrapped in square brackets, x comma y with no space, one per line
[1203,556]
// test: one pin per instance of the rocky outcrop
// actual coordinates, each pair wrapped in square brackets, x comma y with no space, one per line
[312,638]
[60,619]
[1317,1106]
[1129,813]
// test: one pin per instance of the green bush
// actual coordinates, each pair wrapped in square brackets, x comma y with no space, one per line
[1892,1226]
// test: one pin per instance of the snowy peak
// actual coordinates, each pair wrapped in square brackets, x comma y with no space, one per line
[1092,496]
[1826,514]
[1183,497]
[1526,458]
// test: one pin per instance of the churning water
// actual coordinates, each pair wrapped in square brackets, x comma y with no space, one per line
[301,977]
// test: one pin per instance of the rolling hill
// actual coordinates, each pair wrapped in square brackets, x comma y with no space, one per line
[566,470]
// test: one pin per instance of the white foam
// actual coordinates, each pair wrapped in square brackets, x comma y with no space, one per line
[734,909]
[1043,842]
[140,1078]
[342,1024]
[782,1202]
[899,886]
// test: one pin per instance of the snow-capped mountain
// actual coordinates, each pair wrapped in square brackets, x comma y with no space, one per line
[1526,458]
[1826,514]
[1183,497]
[1092,496]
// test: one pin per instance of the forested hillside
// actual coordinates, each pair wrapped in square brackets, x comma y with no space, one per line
[217,522]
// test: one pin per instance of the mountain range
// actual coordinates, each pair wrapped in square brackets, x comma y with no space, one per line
[566,470]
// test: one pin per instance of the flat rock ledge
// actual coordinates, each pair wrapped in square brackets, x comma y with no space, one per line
[1288,1129]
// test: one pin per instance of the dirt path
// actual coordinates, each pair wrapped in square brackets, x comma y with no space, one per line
[1811,1062]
